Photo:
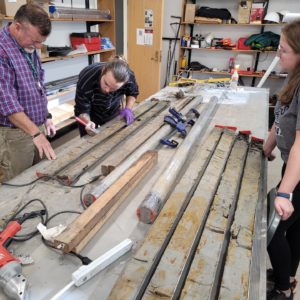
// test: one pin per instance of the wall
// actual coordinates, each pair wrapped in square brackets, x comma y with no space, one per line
[171,8]
[60,37]
[119,27]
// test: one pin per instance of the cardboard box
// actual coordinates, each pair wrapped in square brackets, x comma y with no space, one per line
[190,10]
[10,7]
[43,52]
[244,12]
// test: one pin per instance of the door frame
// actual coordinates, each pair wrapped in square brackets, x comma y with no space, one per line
[125,29]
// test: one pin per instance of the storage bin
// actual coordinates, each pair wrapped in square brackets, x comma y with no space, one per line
[90,39]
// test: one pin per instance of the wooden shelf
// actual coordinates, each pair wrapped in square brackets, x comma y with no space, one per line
[49,59]
[233,50]
[72,20]
[257,75]
[62,112]
[225,24]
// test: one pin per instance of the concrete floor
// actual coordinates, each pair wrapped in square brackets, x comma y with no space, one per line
[274,171]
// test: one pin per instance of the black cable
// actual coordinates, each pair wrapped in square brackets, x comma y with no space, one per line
[27,236]
[81,198]
[25,184]
[84,259]
[60,181]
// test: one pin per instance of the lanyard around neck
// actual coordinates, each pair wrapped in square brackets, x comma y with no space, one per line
[31,64]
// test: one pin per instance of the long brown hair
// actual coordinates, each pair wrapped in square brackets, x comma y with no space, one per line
[291,33]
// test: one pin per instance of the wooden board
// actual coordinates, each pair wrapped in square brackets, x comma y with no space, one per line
[79,228]
[76,148]
[92,159]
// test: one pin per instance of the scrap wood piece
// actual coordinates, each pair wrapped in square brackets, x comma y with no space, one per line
[91,159]
[138,267]
[204,275]
[154,201]
[82,225]
[76,148]
[136,139]
[238,260]
[182,245]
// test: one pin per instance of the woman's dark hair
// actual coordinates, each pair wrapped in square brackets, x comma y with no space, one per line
[35,15]
[291,32]
[119,68]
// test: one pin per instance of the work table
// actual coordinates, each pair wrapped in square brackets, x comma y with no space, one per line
[246,109]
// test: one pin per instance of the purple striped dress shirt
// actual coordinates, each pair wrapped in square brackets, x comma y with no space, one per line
[19,91]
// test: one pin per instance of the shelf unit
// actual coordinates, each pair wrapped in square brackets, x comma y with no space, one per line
[63,112]
[232,50]
[256,75]
[55,58]
[188,27]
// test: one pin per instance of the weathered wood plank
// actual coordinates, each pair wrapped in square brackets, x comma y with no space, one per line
[82,225]
[81,146]
[94,157]
[137,268]
[235,281]
[203,275]
[170,268]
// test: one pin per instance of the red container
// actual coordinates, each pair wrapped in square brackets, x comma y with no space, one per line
[241,44]
[91,40]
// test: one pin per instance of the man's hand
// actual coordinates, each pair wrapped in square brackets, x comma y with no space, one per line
[44,147]
[90,128]
[127,114]
[50,128]
[284,207]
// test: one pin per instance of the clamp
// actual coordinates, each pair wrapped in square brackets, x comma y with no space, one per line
[177,114]
[178,125]
[172,143]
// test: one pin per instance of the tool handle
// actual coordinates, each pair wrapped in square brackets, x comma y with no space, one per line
[177,114]
[5,237]
[171,121]
[80,121]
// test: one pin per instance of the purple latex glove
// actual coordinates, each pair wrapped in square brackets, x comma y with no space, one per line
[127,114]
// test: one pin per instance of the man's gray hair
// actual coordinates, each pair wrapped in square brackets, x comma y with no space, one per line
[119,68]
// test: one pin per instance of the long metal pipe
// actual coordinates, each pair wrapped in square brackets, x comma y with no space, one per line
[153,202]
[148,145]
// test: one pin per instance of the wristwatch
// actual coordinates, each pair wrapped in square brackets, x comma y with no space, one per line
[288,196]
[49,116]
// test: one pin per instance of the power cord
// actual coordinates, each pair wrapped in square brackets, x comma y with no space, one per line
[84,259]
[43,214]
[55,178]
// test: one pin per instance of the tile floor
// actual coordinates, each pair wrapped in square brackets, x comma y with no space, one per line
[274,171]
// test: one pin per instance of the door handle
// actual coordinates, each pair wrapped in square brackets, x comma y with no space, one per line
[156,57]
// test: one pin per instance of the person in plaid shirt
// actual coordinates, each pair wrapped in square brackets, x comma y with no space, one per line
[23,103]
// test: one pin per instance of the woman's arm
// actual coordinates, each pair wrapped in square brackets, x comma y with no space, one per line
[290,179]
[270,144]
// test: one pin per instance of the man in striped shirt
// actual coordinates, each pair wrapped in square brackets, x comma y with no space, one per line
[23,102]
[100,90]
